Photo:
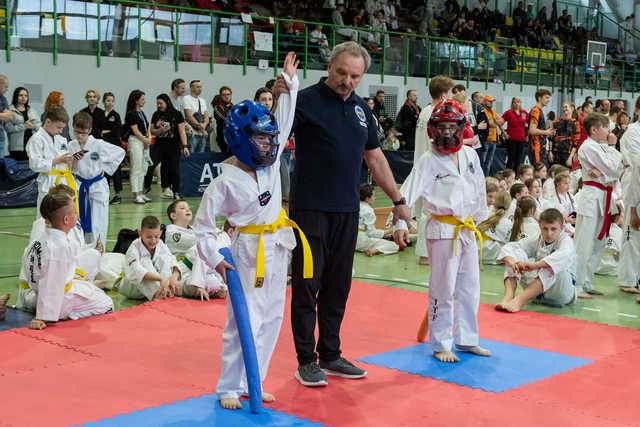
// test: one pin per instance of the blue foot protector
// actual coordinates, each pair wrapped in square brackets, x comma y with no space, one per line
[200,412]
[15,319]
[509,367]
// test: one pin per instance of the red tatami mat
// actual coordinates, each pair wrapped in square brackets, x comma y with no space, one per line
[165,351]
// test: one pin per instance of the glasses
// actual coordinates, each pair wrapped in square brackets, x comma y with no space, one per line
[226,94]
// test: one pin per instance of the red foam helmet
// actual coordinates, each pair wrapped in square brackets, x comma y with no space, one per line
[446,126]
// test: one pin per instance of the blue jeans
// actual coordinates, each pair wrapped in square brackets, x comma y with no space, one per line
[197,143]
[3,140]
[488,157]
[499,160]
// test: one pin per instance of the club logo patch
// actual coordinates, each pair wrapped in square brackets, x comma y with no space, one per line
[63,147]
[94,156]
[264,198]
[360,113]
[471,168]
[176,237]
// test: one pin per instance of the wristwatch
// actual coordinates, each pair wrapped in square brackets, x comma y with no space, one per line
[402,201]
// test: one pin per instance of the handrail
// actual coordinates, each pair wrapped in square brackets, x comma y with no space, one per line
[633,32]
[516,64]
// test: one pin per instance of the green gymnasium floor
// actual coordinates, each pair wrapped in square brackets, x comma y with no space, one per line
[399,270]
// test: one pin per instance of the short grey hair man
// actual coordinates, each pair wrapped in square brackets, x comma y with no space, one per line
[354,49]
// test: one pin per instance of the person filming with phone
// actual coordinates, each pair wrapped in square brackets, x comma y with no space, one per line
[168,126]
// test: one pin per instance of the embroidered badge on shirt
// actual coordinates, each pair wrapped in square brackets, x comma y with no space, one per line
[360,113]
[63,147]
[471,168]
[439,177]
[94,156]
[264,198]
[176,237]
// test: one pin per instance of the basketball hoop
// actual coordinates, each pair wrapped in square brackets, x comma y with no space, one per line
[597,68]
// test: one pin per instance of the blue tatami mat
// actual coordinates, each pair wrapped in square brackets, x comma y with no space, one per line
[510,366]
[15,319]
[200,412]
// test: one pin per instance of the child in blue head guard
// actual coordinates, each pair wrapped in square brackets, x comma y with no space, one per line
[248,193]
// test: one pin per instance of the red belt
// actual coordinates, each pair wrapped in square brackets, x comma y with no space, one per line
[607,216]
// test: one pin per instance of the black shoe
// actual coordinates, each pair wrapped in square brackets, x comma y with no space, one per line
[116,200]
[311,375]
[342,368]
[147,190]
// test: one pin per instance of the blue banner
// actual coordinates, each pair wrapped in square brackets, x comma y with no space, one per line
[197,171]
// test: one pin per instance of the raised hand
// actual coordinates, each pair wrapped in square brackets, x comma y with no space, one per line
[291,64]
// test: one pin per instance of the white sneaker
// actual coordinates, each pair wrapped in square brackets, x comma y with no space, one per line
[140,200]
[146,198]
[167,194]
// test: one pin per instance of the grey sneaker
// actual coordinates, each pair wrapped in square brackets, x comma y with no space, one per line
[311,375]
[342,368]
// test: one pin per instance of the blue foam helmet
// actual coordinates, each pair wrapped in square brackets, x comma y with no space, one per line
[244,123]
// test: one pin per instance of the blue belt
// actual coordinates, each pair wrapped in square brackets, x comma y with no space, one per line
[85,203]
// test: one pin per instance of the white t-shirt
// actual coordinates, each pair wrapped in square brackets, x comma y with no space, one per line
[191,103]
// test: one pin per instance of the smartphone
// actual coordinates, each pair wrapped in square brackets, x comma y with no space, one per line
[79,154]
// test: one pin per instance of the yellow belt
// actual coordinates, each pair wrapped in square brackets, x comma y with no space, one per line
[459,224]
[78,272]
[281,222]
[66,174]
[485,237]
[25,285]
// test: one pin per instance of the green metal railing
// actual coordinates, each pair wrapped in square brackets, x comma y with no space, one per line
[194,31]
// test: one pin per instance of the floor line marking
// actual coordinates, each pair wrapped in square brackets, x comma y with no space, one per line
[489,293]
[590,309]
[7,233]
[628,315]
[371,275]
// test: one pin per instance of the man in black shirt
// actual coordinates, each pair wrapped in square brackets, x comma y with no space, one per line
[334,131]
[380,112]
[407,119]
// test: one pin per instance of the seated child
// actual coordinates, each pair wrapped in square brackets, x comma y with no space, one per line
[540,171]
[391,141]
[548,187]
[370,239]
[544,267]
[525,172]
[179,236]
[534,186]
[496,229]
[509,178]
[517,191]
[196,278]
[563,201]
[51,265]
[449,181]
[609,262]
[99,158]
[491,185]
[87,256]
[151,270]
[525,224]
